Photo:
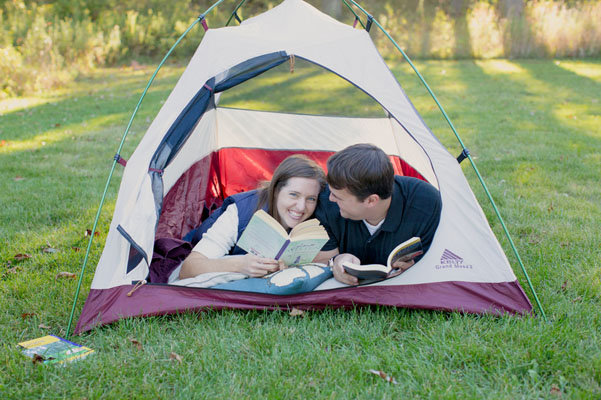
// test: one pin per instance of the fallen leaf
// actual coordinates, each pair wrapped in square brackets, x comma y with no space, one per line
[75,249]
[136,343]
[13,270]
[176,357]
[295,312]
[577,299]
[18,178]
[89,232]
[21,256]
[57,125]
[550,208]
[384,376]
[49,250]
[42,326]
[37,359]
[555,390]
[564,285]
[65,274]
[2,143]
[28,315]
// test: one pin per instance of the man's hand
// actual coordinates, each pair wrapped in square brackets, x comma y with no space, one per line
[339,272]
[399,267]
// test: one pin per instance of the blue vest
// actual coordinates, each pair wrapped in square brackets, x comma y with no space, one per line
[246,202]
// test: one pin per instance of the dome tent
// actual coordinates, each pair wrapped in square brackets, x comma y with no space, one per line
[195,153]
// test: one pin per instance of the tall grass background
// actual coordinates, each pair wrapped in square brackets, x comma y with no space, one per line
[44,44]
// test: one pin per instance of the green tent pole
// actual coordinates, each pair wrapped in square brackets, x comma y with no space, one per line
[234,12]
[354,13]
[513,247]
[108,181]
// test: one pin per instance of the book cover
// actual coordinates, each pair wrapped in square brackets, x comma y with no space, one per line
[265,237]
[53,349]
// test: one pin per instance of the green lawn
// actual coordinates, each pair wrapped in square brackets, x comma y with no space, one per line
[534,130]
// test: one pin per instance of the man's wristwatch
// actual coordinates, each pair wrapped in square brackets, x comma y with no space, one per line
[331,261]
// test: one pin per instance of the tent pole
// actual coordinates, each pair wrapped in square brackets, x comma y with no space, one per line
[234,12]
[515,251]
[108,181]
[354,13]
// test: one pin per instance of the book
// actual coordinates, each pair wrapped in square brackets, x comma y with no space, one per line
[52,349]
[265,237]
[404,252]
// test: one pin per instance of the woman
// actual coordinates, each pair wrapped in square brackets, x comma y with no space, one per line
[290,197]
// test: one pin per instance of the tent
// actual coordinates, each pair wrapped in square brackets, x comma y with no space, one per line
[195,153]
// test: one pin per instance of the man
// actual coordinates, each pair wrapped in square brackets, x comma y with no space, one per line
[368,211]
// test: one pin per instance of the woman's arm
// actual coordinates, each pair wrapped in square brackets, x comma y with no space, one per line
[249,264]
[208,254]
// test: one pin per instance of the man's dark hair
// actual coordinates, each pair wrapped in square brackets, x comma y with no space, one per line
[363,169]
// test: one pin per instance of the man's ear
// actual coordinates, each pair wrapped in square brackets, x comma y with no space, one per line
[371,200]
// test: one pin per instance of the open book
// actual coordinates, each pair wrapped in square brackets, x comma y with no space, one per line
[404,252]
[265,237]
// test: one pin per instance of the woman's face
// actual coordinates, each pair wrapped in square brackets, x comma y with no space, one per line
[296,201]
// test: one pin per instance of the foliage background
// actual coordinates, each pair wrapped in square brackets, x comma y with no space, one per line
[44,44]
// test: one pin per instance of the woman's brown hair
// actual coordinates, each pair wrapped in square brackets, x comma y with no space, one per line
[294,166]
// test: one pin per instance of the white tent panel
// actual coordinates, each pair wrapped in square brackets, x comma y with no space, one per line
[201,143]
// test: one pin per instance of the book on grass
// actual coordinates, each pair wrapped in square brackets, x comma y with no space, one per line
[53,349]
[404,252]
[265,237]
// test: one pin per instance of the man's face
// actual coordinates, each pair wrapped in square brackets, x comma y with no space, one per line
[349,204]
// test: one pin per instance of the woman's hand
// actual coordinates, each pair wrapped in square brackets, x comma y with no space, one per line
[256,266]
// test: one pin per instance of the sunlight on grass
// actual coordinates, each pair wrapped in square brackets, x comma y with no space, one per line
[22,103]
[585,69]
[260,105]
[58,135]
[578,116]
[493,67]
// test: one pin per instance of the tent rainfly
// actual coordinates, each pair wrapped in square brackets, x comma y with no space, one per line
[196,153]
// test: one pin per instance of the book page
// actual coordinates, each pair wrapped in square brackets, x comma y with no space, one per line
[261,239]
[405,251]
[303,251]
[310,229]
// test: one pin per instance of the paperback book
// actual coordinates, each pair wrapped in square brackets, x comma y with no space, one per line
[53,349]
[404,252]
[265,237]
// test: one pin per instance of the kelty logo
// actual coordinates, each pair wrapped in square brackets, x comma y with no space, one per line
[451,260]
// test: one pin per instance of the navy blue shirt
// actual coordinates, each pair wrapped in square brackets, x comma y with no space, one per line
[414,211]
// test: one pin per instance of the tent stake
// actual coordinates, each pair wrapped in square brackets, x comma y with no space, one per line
[108,181]
[515,251]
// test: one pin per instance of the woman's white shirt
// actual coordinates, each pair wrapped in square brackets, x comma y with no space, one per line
[222,236]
